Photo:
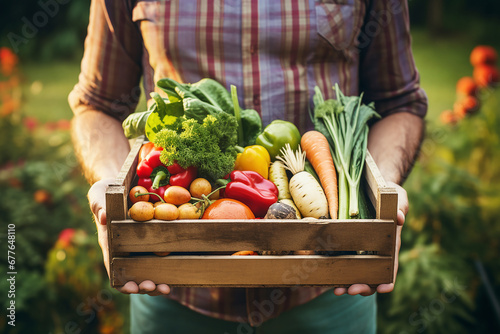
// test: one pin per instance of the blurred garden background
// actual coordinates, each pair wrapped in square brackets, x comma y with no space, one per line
[449,278]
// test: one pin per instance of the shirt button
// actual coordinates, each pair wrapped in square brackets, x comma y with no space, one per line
[253,48]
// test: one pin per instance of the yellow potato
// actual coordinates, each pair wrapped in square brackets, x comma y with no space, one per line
[166,211]
[141,211]
[188,211]
[199,187]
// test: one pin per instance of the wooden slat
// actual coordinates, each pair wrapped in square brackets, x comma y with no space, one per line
[128,169]
[278,235]
[117,193]
[255,271]
[383,197]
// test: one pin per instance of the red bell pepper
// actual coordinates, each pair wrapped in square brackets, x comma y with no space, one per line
[156,177]
[253,190]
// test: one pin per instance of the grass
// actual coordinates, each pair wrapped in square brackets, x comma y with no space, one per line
[46,88]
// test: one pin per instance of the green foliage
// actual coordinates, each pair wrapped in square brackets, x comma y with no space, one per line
[452,224]
[54,31]
[45,193]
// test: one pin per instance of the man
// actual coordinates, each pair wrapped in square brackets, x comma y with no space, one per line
[275,52]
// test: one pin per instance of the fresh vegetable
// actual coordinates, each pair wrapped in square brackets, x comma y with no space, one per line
[208,97]
[189,211]
[277,175]
[249,121]
[253,190]
[194,101]
[177,195]
[276,135]
[157,177]
[255,158]
[306,192]
[166,211]
[142,211]
[135,124]
[244,253]
[162,254]
[289,202]
[146,148]
[227,208]
[162,113]
[318,153]
[135,194]
[200,187]
[309,168]
[344,122]
[209,146]
[252,126]
[280,211]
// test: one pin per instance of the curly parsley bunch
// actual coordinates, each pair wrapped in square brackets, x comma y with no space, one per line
[209,145]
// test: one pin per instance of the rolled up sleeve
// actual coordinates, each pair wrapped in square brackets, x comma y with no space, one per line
[388,75]
[111,66]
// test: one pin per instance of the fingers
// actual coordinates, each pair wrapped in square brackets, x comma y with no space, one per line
[129,288]
[355,289]
[146,287]
[97,200]
[365,290]
[385,288]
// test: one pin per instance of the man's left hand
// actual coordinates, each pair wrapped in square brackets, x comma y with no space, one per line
[365,290]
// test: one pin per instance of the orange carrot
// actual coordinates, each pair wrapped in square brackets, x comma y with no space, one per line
[318,153]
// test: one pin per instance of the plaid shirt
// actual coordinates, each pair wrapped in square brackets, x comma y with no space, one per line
[275,52]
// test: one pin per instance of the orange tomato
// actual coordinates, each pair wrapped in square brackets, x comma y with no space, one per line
[139,198]
[226,208]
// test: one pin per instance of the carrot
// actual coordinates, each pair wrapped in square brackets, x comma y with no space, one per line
[318,153]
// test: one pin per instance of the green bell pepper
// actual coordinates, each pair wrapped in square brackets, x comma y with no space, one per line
[276,135]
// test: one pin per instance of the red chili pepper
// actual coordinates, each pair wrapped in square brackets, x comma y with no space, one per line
[156,177]
[252,189]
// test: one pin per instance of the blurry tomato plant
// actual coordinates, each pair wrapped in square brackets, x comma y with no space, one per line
[452,231]
[44,194]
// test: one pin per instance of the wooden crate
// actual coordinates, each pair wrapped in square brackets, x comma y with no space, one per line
[131,244]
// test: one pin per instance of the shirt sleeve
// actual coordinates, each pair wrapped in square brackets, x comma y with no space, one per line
[388,75]
[111,66]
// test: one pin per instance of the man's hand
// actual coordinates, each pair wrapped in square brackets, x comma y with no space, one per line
[365,290]
[97,202]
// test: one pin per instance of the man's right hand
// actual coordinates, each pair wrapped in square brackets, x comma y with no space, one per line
[97,202]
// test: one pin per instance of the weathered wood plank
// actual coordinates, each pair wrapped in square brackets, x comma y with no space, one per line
[278,235]
[129,167]
[255,271]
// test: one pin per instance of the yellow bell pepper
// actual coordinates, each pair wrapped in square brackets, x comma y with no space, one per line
[255,158]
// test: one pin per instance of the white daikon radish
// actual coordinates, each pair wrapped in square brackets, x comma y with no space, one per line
[306,191]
